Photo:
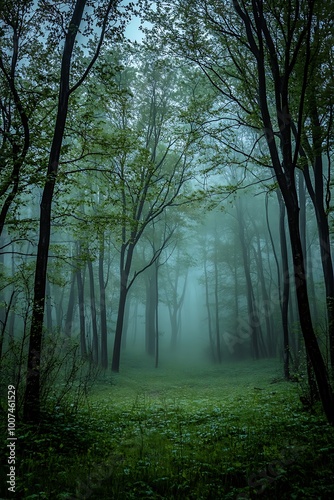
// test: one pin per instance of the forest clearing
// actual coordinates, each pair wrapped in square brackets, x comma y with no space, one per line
[237,431]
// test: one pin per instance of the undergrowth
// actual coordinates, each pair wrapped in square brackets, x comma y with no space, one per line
[231,432]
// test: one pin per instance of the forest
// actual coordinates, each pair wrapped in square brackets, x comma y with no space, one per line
[166,233]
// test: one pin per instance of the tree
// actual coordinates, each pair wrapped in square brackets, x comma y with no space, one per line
[32,393]
[253,54]
[151,165]
[174,281]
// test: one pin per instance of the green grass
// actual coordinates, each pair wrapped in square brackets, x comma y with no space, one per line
[236,431]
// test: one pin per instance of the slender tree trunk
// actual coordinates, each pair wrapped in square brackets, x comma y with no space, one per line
[95,340]
[70,308]
[253,319]
[311,343]
[323,226]
[126,322]
[264,292]
[151,305]
[236,288]
[4,321]
[173,312]
[124,266]
[317,197]
[215,267]
[174,305]
[48,308]
[59,307]
[313,392]
[307,253]
[2,294]
[135,321]
[119,326]
[82,319]
[285,175]
[103,307]
[286,287]
[156,265]
[207,304]
[31,410]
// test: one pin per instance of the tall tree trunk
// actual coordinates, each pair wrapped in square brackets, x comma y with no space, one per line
[173,314]
[322,220]
[174,304]
[82,319]
[150,314]
[307,253]
[264,292]
[103,307]
[4,321]
[126,322]
[216,294]
[59,307]
[285,172]
[124,266]
[253,319]
[95,340]
[119,327]
[317,197]
[48,308]
[313,392]
[156,266]
[31,409]
[70,308]
[286,287]
[207,304]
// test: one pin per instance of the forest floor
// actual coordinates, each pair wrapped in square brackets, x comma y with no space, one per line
[235,431]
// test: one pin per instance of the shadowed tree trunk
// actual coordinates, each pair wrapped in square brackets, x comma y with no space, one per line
[216,295]
[150,311]
[253,319]
[103,307]
[261,45]
[207,305]
[31,409]
[48,308]
[82,319]
[156,268]
[174,304]
[70,308]
[284,303]
[95,340]
[265,296]
[31,405]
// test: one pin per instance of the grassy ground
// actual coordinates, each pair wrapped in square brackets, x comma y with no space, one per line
[236,431]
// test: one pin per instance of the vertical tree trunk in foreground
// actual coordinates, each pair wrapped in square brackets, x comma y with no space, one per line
[31,409]
[262,46]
